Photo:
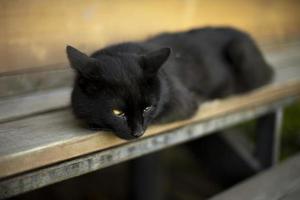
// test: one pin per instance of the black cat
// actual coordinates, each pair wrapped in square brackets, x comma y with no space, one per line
[125,87]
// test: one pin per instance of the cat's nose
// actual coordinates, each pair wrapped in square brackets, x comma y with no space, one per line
[138,133]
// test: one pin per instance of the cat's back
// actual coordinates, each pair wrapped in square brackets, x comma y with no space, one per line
[199,58]
[208,38]
[195,41]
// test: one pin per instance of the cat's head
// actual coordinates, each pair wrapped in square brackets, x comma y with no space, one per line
[117,92]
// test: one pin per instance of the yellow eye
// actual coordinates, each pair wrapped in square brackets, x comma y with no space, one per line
[118,113]
[148,108]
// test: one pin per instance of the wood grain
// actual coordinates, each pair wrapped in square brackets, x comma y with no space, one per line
[33,81]
[34,103]
[100,159]
[280,183]
[34,34]
[45,139]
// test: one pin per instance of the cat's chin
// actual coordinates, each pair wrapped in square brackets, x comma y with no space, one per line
[95,127]
[120,135]
[127,136]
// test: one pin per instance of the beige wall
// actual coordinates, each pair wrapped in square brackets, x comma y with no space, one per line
[33,33]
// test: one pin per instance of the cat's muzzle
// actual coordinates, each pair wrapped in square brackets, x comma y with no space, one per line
[138,133]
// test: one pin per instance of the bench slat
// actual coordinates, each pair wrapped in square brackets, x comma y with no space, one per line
[128,150]
[37,102]
[35,80]
[280,183]
[48,138]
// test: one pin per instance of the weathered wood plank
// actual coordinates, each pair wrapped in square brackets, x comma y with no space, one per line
[157,138]
[45,139]
[36,102]
[287,73]
[281,54]
[33,81]
[280,183]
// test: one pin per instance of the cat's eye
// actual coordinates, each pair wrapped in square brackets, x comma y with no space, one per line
[148,108]
[118,113]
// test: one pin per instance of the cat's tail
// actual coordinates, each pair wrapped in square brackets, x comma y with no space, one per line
[249,66]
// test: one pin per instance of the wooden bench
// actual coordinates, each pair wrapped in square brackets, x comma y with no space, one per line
[41,143]
[279,183]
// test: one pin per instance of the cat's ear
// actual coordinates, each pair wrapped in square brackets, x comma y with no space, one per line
[152,61]
[78,60]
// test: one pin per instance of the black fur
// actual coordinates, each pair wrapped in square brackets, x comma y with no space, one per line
[171,72]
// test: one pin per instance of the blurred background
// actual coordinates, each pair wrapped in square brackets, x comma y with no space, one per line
[34,34]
